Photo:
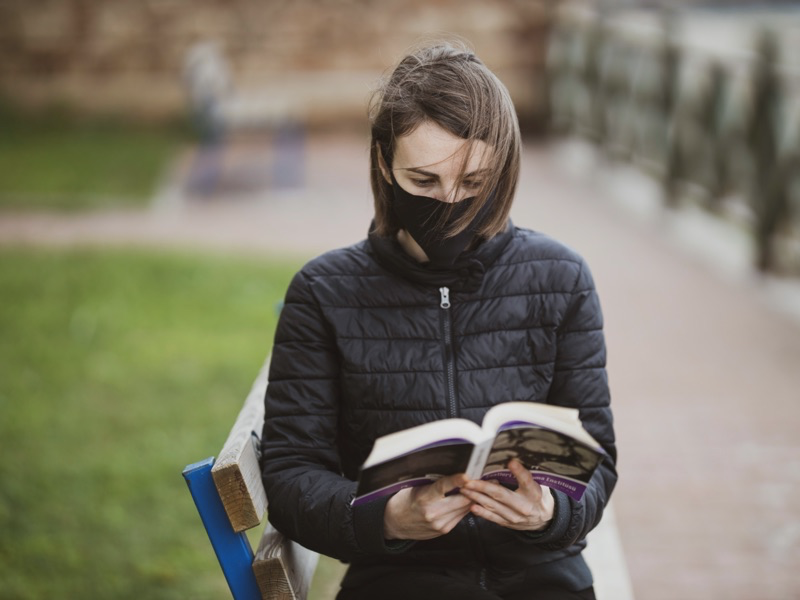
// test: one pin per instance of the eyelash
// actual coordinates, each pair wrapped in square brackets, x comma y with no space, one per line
[423,182]
[472,185]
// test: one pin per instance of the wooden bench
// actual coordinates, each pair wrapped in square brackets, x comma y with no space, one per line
[230,498]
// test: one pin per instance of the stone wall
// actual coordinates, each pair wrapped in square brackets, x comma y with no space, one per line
[316,58]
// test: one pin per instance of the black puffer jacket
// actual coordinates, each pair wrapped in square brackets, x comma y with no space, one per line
[365,346]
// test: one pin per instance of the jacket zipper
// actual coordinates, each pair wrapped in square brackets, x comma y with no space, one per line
[452,401]
[482,580]
[472,526]
[449,355]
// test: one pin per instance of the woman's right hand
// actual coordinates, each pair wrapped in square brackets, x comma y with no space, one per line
[426,512]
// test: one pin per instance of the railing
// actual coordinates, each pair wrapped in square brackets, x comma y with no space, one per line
[718,129]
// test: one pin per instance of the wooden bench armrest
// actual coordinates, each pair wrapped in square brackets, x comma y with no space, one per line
[283,568]
[236,472]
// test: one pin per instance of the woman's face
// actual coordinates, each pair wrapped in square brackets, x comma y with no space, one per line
[428,160]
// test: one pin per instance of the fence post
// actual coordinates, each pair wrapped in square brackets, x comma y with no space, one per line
[767,196]
[669,59]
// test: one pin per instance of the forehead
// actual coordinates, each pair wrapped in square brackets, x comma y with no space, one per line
[431,147]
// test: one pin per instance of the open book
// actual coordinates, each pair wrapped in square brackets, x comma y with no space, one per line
[549,440]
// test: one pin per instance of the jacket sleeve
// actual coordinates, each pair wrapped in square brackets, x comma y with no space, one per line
[309,499]
[580,381]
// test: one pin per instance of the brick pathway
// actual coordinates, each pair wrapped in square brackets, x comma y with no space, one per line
[706,387]
[704,367]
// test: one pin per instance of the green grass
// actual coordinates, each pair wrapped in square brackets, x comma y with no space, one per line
[116,370]
[57,162]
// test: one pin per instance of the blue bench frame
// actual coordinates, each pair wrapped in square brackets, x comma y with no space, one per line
[233,550]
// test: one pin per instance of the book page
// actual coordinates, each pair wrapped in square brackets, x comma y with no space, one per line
[556,418]
[555,459]
[422,436]
[419,467]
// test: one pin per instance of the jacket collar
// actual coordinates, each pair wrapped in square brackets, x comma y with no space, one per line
[466,274]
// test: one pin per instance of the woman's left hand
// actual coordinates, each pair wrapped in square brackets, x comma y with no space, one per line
[528,508]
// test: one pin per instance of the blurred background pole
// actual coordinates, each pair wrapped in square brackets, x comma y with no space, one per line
[668,56]
[767,197]
[711,116]
[592,70]
[696,150]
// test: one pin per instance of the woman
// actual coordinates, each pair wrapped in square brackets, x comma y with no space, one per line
[445,310]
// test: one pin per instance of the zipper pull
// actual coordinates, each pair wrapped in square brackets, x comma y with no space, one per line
[445,296]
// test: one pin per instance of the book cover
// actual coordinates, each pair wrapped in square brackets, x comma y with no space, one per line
[549,440]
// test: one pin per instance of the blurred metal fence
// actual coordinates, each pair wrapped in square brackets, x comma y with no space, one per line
[719,131]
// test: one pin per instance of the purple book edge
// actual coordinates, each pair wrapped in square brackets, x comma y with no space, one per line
[391,489]
[572,488]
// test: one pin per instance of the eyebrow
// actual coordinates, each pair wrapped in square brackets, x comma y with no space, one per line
[421,171]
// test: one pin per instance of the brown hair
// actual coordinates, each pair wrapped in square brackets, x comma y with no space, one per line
[449,86]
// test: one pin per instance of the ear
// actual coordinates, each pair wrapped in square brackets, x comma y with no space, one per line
[382,164]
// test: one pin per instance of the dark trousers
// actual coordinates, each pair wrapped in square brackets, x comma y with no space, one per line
[414,584]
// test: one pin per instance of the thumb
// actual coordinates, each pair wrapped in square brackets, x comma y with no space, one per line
[450,484]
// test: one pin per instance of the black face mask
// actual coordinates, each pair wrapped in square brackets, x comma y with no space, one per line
[421,217]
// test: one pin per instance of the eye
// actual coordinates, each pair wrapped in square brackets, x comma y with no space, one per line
[472,184]
[423,182]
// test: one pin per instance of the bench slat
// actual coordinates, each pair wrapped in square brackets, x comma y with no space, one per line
[237,473]
[283,568]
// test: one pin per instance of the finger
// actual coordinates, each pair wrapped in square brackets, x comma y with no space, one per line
[443,515]
[495,491]
[457,512]
[485,513]
[448,522]
[520,502]
[453,503]
[446,485]
[441,493]
[527,484]
[508,508]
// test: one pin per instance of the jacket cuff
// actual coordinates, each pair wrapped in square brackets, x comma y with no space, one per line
[368,525]
[558,526]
